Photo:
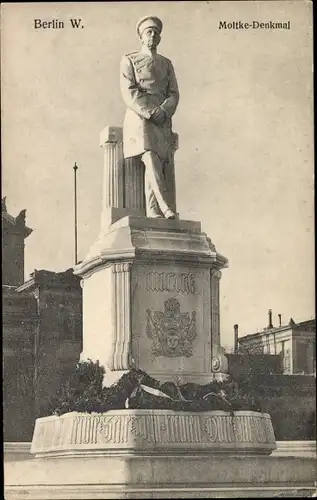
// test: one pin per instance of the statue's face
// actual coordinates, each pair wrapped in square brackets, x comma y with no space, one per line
[150,37]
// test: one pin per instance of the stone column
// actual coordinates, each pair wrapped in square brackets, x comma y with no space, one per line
[215,276]
[123,184]
[134,184]
[111,141]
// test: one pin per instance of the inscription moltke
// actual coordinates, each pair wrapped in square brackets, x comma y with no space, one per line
[170,282]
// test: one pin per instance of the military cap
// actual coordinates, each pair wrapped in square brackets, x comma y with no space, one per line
[149,22]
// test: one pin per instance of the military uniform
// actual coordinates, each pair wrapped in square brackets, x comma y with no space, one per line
[147,82]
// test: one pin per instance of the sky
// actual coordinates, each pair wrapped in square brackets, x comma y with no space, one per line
[245,123]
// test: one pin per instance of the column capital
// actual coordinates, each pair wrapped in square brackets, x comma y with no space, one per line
[110,134]
[121,267]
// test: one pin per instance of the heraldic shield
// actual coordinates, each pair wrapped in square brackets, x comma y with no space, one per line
[171,331]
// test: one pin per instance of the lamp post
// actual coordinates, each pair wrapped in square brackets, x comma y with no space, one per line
[75,209]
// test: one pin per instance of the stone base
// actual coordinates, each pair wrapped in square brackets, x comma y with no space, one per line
[156,454]
[296,449]
[139,432]
[165,476]
[17,451]
[14,451]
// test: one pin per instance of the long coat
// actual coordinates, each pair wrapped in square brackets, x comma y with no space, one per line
[147,82]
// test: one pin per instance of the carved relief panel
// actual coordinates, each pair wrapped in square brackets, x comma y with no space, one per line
[172,332]
[171,319]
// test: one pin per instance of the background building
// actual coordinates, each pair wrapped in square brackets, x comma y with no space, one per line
[271,364]
[294,342]
[42,331]
[14,232]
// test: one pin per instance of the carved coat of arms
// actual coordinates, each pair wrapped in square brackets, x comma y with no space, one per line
[171,331]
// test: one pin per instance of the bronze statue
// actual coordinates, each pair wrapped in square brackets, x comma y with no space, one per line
[149,89]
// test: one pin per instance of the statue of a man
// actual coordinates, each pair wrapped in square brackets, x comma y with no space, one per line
[149,89]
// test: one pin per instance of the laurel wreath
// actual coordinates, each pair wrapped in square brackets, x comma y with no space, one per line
[84,392]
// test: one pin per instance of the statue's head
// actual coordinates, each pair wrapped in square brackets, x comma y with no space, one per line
[149,29]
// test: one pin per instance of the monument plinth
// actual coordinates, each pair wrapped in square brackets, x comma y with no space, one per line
[151,299]
[153,431]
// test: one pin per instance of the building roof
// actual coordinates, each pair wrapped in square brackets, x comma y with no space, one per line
[17,223]
[305,325]
[302,325]
[52,279]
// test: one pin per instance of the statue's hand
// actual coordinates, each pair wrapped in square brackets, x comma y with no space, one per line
[158,116]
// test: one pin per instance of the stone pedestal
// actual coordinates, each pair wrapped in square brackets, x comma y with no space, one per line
[150,299]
